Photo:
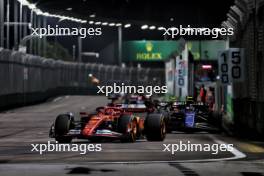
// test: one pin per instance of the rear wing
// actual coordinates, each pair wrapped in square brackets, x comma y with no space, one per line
[197,105]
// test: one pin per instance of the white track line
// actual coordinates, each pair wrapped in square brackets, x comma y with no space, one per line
[237,155]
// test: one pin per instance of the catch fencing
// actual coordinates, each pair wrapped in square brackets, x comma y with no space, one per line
[26,79]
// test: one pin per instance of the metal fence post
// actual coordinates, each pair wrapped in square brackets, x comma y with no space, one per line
[15,26]
[79,49]
[119,45]
[2,23]
[7,27]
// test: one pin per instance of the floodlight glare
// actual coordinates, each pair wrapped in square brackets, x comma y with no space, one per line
[112,24]
[92,15]
[127,25]
[152,27]
[144,27]
[97,23]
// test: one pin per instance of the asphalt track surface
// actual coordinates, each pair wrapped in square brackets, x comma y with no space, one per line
[24,126]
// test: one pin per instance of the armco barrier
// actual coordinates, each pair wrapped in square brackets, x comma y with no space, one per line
[27,79]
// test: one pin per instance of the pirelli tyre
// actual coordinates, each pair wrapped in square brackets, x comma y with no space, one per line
[155,127]
[127,125]
[62,126]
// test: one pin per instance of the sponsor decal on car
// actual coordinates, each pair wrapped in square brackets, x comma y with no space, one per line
[189,120]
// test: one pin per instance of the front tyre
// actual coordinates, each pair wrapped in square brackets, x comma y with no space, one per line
[127,125]
[62,127]
[155,127]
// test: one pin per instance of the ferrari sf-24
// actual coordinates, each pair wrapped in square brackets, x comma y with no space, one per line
[124,122]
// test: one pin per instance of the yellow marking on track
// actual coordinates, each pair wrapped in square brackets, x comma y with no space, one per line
[252,148]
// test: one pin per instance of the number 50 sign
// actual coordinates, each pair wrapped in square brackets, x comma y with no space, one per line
[231,65]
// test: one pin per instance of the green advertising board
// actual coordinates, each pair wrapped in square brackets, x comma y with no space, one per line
[149,50]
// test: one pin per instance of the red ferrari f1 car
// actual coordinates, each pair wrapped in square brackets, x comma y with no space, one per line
[111,122]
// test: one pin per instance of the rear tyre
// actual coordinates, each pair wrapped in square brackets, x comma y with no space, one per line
[155,127]
[127,125]
[62,127]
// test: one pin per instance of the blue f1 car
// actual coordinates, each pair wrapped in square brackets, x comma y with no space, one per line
[187,115]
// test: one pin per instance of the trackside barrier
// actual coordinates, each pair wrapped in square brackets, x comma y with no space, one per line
[248,97]
[27,79]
